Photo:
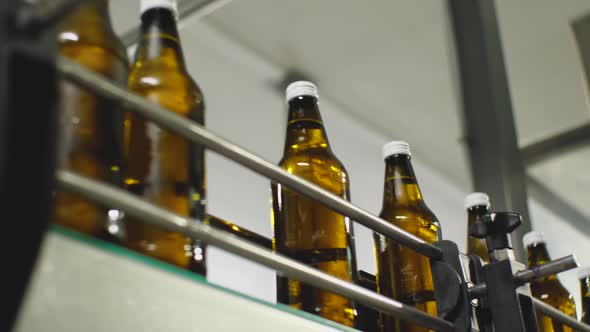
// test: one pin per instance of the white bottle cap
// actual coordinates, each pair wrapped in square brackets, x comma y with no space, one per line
[301,88]
[172,5]
[532,238]
[395,147]
[476,199]
[583,272]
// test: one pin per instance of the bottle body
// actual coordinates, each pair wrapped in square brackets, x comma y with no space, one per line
[474,245]
[91,128]
[585,294]
[403,274]
[163,167]
[550,291]
[307,231]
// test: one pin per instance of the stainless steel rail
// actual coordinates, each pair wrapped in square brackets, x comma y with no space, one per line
[525,276]
[559,316]
[554,267]
[112,197]
[198,134]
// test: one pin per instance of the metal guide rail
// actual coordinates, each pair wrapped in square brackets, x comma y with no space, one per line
[452,273]
[559,316]
[291,268]
[151,214]
[198,134]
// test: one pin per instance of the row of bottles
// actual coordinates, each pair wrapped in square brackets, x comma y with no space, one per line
[100,141]
[315,235]
[166,170]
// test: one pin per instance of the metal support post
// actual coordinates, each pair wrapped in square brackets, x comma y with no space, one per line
[27,123]
[491,134]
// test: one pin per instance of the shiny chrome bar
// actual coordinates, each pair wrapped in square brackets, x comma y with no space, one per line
[151,214]
[524,276]
[239,231]
[554,267]
[559,316]
[198,134]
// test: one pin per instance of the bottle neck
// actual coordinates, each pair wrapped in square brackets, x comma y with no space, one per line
[585,293]
[160,39]
[305,128]
[90,14]
[401,186]
[537,254]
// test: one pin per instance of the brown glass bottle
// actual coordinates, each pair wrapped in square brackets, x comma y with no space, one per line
[584,276]
[162,166]
[403,274]
[548,289]
[477,205]
[91,128]
[303,229]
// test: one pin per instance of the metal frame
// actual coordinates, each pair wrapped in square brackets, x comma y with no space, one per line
[506,279]
[110,196]
[487,112]
[492,144]
[27,131]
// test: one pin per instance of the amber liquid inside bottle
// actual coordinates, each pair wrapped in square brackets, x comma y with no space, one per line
[403,274]
[91,128]
[162,166]
[585,292]
[305,230]
[550,291]
[474,245]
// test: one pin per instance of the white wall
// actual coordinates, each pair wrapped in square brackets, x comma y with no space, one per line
[243,107]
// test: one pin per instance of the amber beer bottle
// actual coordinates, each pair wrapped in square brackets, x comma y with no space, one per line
[305,230]
[91,128]
[403,274]
[584,276]
[162,166]
[477,205]
[548,289]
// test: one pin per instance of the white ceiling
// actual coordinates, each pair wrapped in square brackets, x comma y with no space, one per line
[391,65]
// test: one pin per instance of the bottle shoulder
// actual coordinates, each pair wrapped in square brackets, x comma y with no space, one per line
[173,89]
[404,213]
[72,37]
[318,166]
[550,289]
